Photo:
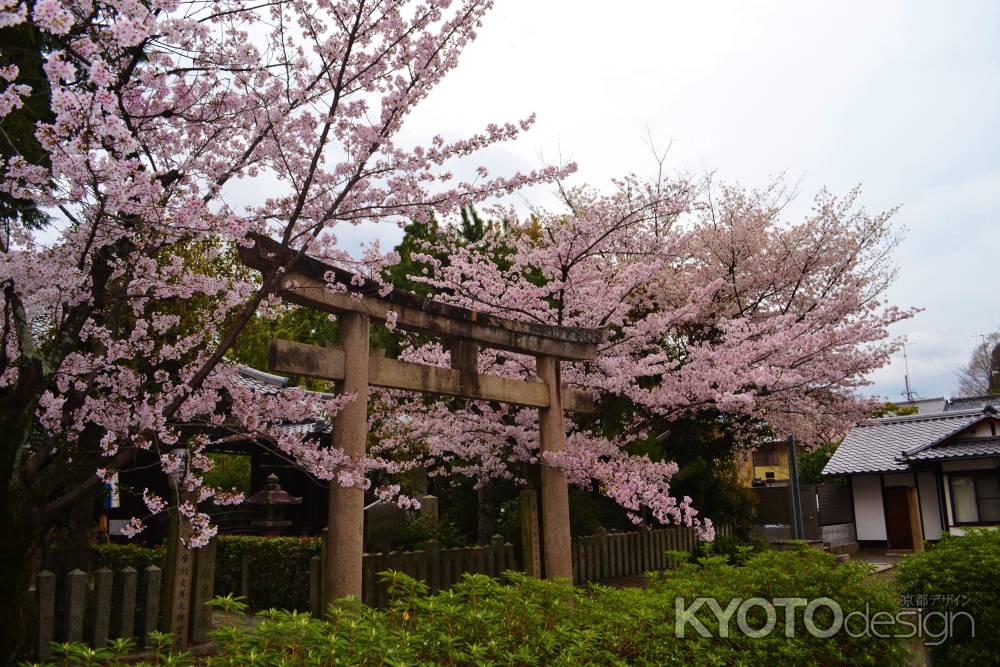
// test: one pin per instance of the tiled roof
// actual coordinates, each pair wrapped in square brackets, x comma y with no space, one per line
[266,383]
[272,385]
[972,402]
[958,449]
[876,445]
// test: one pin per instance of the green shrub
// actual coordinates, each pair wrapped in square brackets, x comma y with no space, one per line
[278,569]
[735,549]
[533,622]
[481,621]
[120,556]
[959,574]
[419,529]
[278,566]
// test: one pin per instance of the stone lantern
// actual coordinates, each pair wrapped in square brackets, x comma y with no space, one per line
[272,501]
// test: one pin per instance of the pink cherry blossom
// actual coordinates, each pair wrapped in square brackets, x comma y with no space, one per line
[117,320]
[712,302]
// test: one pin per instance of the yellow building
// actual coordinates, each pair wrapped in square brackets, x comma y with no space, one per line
[768,464]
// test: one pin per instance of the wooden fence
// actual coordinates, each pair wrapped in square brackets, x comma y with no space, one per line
[93,607]
[101,605]
[438,567]
[601,557]
[836,504]
[608,556]
[822,505]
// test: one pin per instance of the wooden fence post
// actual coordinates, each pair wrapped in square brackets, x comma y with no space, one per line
[103,580]
[647,550]
[45,593]
[604,569]
[499,562]
[245,577]
[368,582]
[433,550]
[76,602]
[322,571]
[124,607]
[152,579]
[315,594]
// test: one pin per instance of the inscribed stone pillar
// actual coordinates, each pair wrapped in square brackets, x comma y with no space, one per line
[429,508]
[203,589]
[346,515]
[179,570]
[531,556]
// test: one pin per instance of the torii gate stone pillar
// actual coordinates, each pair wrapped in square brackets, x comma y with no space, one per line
[345,537]
[558,558]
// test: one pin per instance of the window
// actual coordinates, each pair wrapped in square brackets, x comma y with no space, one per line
[988,496]
[963,499]
[976,498]
[766,456]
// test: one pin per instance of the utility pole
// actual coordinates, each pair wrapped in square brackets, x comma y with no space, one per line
[909,393]
[798,528]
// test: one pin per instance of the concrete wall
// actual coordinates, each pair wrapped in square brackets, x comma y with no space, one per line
[841,537]
[869,515]
[775,533]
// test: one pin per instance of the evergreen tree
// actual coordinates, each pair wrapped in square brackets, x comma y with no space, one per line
[23,46]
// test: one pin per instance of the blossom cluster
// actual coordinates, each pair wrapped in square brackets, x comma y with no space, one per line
[118,317]
[713,304]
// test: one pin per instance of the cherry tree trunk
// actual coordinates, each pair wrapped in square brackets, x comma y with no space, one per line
[19,539]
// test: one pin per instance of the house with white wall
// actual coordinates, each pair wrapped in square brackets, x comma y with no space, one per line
[915,477]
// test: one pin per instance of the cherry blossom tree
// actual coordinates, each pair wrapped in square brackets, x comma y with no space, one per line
[982,374]
[714,303]
[177,129]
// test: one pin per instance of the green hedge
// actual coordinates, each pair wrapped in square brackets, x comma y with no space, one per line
[532,622]
[959,574]
[278,569]
[119,556]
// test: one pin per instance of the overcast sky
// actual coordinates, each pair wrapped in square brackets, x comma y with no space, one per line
[901,97]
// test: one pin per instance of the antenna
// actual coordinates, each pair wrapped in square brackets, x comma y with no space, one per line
[909,393]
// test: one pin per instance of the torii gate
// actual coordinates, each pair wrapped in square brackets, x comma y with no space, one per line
[354,369]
